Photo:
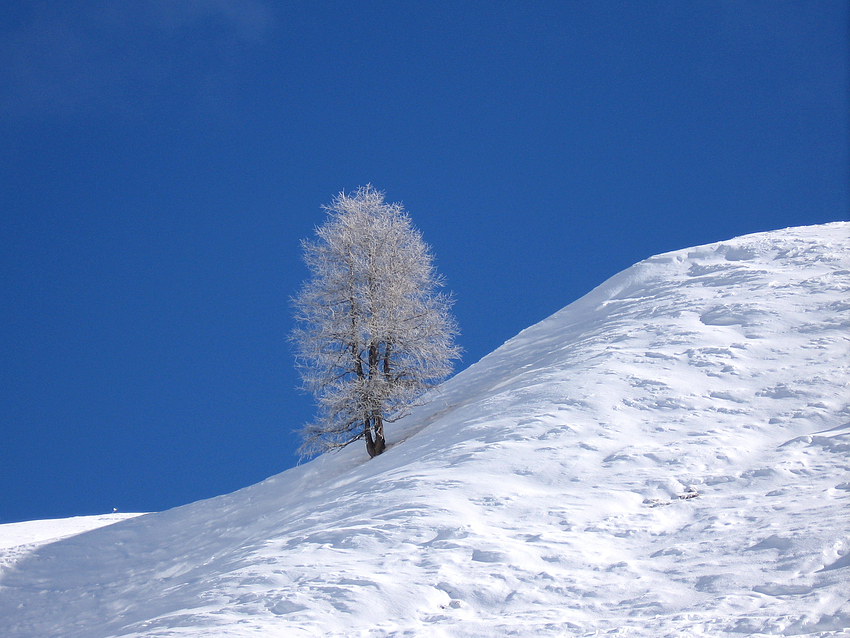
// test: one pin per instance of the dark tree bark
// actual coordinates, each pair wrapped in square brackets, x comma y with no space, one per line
[373,432]
[380,442]
[370,442]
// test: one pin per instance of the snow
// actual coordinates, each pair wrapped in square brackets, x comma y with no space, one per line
[19,539]
[667,456]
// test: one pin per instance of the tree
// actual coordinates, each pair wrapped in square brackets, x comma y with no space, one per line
[373,332]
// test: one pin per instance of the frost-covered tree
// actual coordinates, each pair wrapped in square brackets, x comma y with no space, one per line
[373,332]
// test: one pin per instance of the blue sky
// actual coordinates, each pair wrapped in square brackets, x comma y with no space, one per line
[162,160]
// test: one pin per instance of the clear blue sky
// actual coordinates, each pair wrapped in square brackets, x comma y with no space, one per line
[161,161]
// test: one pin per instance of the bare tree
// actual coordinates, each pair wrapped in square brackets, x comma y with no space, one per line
[373,332]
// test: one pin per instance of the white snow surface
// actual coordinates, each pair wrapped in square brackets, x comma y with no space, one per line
[19,539]
[667,456]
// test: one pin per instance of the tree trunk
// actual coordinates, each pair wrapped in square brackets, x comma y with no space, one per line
[370,442]
[387,350]
[373,431]
[380,442]
[374,424]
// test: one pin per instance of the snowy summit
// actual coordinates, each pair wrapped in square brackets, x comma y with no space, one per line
[667,456]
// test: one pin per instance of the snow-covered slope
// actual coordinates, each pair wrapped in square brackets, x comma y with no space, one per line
[19,539]
[667,456]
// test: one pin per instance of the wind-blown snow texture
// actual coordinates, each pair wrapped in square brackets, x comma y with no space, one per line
[667,456]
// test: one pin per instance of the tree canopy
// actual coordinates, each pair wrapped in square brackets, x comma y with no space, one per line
[373,331]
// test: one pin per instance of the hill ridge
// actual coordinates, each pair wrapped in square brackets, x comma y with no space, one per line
[665,456]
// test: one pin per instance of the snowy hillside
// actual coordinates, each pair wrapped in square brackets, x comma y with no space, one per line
[667,456]
[20,539]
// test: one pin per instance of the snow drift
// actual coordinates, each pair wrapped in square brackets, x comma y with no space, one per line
[667,456]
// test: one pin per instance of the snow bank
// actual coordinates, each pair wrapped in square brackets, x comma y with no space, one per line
[19,539]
